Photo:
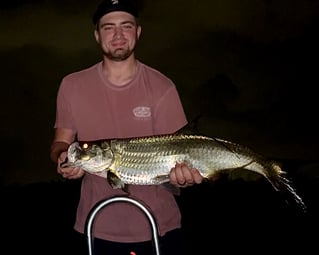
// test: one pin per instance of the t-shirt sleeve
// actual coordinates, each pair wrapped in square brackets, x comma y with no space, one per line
[169,115]
[63,117]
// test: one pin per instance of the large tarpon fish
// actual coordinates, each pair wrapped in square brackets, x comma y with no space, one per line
[148,160]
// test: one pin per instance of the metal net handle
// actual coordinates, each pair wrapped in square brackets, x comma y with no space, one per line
[106,202]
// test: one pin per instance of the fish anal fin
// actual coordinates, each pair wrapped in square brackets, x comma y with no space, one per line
[235,173]
[216,175]
[164,180]
[172,188]
[161,178]
[244,174]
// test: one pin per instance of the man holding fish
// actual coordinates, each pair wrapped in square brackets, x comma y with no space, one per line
[121,97]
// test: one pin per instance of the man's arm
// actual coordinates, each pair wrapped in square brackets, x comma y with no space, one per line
[58,153]
[62,139]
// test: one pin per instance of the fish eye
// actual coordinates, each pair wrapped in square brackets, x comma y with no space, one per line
[85,146]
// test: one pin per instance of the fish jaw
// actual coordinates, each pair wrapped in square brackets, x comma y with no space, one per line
[95,159]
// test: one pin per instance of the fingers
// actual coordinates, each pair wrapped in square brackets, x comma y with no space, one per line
[176,176]
[70,173]
[61,159]
[75,174]
[198,178]
[60,170]
[183,176]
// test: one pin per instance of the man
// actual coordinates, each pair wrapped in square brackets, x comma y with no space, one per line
[121,97]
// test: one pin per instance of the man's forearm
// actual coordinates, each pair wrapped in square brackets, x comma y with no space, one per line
[56,149]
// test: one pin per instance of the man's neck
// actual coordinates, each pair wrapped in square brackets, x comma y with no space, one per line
[120,72]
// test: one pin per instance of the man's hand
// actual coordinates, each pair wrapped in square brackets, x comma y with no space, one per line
[183,176]
[68,172]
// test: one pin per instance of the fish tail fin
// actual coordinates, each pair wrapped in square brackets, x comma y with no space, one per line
[284,185]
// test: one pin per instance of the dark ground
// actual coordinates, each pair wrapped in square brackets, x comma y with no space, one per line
[225,217]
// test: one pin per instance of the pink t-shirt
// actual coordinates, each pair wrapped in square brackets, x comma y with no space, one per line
[96,109]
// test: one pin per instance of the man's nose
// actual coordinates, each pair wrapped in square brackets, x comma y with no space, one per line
[118,32]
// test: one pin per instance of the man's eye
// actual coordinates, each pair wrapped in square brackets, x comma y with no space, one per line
[128,27]
[108,28]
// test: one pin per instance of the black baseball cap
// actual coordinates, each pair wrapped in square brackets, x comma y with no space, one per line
[107,6]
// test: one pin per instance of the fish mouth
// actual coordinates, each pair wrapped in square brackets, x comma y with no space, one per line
[89,155]
[73,153]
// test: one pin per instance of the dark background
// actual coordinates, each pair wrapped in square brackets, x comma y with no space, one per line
[246,72]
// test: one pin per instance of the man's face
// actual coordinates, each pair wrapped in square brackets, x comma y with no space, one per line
[117,34]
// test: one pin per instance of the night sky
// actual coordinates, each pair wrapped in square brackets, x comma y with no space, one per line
[246,72]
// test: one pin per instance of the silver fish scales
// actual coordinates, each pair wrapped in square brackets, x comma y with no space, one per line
[148,160]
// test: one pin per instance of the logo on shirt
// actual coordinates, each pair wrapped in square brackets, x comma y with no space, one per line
[142,112]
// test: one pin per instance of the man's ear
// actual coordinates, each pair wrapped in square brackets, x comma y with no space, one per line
[96,36]
[139,31]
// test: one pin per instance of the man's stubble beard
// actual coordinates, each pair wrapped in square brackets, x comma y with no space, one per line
[119,55]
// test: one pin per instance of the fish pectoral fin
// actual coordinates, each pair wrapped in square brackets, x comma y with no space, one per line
[114,180]
[126,188]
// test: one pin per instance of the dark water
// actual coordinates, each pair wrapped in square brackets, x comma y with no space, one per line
[219,218]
